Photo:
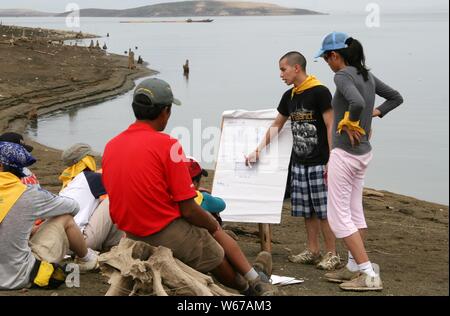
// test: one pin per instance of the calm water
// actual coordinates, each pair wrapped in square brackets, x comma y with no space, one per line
[234,65]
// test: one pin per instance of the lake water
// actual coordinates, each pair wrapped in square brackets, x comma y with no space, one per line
[234,65]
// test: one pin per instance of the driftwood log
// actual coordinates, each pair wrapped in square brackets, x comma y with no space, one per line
[136,268]
[370,192]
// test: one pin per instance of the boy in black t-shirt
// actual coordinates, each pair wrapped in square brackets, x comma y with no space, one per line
[308,105]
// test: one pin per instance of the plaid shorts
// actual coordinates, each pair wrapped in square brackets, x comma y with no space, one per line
[309,191]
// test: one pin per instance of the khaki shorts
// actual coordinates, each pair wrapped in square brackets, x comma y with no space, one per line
[100,233]
[50,242]
[193,245]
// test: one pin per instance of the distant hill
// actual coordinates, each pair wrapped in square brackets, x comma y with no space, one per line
[197,8]
[23,12]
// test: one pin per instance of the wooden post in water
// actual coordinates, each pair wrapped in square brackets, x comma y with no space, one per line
[265,234]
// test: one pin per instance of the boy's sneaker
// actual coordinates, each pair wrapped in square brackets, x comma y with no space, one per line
[341,275]
[258,287]
[363,283]
[329,262]
[89,265]
[306,257]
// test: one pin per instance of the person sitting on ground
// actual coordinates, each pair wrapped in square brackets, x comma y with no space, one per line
[82,183]
[29,178]
[209,203]
[214,205]
[152,195]
[25,262]
[11,137]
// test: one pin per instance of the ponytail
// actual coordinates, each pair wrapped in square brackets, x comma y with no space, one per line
[353,55]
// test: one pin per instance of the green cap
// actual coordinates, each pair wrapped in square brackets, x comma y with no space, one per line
[158,91]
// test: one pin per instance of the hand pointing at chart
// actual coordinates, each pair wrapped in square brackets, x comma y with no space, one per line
[252,158]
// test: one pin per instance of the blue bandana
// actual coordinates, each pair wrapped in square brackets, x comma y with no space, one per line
[15,155]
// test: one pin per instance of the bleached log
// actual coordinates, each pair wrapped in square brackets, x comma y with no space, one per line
[153,271]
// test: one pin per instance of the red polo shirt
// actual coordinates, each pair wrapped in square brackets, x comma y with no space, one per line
[145,176]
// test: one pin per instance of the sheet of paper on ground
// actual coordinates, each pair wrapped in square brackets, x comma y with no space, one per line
[282,280]
[252,195]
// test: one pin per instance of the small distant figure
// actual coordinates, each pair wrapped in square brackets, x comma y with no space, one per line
[97,45]
[140,61]
[125,52]
[186,68]
[136,47]
[105,47]
[24,37]
[131,64]
[107,35]
[91,45]
[79,35]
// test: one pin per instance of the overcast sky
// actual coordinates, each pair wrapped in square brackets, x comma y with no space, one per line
[329,6]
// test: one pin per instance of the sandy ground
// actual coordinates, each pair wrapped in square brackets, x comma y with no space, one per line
[408,238]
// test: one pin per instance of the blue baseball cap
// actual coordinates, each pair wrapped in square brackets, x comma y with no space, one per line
[333,41]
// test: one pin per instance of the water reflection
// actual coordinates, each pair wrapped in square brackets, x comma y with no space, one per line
[33,127]
[72,113]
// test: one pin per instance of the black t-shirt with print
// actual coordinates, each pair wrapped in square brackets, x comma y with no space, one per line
[310,142]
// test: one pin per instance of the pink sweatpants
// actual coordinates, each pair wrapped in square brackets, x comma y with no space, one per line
[345,189]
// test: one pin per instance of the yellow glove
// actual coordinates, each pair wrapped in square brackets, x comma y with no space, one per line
[350,124]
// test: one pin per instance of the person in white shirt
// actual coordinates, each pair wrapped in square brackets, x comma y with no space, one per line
[83,183]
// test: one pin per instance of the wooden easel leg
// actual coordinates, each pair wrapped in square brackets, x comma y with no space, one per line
[265,234]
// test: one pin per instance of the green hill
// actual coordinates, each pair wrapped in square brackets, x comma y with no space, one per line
[198,8]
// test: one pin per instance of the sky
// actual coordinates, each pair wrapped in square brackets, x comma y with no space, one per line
[328,6]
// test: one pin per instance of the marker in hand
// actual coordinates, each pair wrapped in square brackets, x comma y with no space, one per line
[247,161]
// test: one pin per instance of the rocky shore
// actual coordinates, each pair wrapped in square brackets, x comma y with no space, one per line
[408,238]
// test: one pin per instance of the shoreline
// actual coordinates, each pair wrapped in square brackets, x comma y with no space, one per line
[66,82]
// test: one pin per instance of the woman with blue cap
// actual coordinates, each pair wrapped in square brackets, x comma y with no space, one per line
[353,105]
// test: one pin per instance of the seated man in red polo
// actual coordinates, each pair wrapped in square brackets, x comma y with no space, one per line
[152,195]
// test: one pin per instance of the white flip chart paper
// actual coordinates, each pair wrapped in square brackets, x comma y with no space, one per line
[252,195]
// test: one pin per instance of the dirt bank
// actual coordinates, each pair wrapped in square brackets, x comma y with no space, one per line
[408,238]
[40,74]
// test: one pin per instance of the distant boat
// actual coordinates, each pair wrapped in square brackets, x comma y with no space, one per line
[167,21]
[205,20]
